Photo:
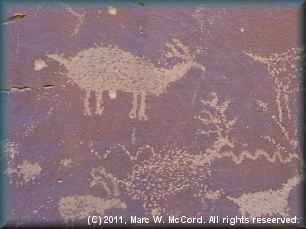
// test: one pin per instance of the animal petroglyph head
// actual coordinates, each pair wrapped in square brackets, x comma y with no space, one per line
[185,55]
[111,69]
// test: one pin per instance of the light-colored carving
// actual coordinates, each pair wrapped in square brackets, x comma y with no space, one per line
[133,138]
[80,207]
[206,16]
[29,170]
[100,176]
[29,130]
[268,202]
[219,120]
[10,150]
[132,155]
[111,69]
[165,174]
[262,104]
[215,114]
[66,162]
[208,158]
[80,17]
[285,72]
[205,194]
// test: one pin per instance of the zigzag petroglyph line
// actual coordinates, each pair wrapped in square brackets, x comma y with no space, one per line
[246,154]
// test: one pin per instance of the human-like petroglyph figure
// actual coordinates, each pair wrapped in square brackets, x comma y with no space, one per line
[111,69]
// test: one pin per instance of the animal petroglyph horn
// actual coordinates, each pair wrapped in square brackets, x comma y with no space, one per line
[112,69]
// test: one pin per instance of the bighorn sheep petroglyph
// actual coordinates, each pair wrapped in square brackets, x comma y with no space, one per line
[111,69]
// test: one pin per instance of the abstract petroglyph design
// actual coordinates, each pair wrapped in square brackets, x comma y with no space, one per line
[205,16]
[162,175]
[112,69]
[285,70]
[218,119]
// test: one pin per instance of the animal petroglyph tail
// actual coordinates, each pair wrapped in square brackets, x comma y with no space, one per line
[111,69]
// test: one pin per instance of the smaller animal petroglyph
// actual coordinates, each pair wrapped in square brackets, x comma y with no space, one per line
[111,69]
[81,206]
[268,202]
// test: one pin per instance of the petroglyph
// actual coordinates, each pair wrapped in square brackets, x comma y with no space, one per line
[53,99]
[267,202]
[111,69]
[39,7]
[29,130]
[208,158]
[66,162]
[162,175]
[80,17]
[262,104]
[215,114]
[219,120]
[133,138]
[206,16]
[205,194]
[79,207]
[277,64]
[29,170]
[132,155]
[100,176]
[10,150]
[284,70]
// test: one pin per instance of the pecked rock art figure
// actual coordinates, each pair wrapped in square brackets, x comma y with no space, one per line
[111,69]
[79,207]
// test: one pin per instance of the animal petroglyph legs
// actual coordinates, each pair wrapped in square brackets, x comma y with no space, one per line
[134,106]
[99,102]
[86,102]
[142,108]
[99,107]
[157,77]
